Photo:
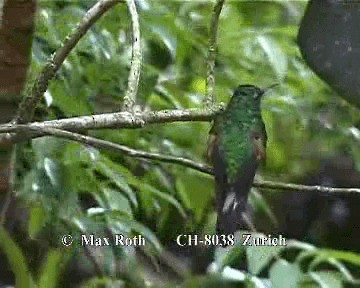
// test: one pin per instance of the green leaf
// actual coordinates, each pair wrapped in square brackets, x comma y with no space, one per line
[135,227]
[259,256]
[276,56]
[150,189]
[37,220]
[327,279]
[342,269]
[207,281]
[80,179]
[347,256]
[118,175]
[229,255]
[258,282]
[257,200]
[114,200]
[53,172]
[16,259]
[118,224]
[47,147]
[300,245]
[305,254]
[96,282]
[283,274]
[52,268]
[195,192]
[234,274]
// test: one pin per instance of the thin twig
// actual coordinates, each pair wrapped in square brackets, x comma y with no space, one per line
[110,120]
[134,74]
[303,188]
[98,143]
[28,105]
[210,77]
[102,144]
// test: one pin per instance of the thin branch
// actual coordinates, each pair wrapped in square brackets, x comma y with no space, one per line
[28,105]
[303,188]
[134,74]
[110,120]
[102,144]
[210,77]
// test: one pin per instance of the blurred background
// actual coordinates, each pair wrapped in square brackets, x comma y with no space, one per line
[69,188]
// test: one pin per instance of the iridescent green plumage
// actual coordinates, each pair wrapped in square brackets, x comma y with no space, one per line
[242,116]
[238,144]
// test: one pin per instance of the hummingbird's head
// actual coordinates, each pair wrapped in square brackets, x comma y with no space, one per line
[251,92]
[248,91]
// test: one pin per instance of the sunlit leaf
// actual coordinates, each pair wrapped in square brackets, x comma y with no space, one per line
[37,220]
[52,268]
[276,56]
[284,274]
[327,279]
[346,256]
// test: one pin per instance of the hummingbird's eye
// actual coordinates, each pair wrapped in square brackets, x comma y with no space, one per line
[257,94]
[257,137]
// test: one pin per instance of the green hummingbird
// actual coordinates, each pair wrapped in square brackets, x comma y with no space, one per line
[237,144]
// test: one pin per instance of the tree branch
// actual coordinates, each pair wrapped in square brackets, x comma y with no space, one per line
[110,120]
[102,144]
[210,77]
[134,74]
[28,105]
[302,188]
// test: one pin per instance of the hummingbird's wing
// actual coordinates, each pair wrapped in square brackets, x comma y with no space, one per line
[219,166]
[221,181]
[212,141]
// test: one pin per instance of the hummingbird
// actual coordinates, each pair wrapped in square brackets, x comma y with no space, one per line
[237,144]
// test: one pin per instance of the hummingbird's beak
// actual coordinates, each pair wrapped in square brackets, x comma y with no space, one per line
[267,89]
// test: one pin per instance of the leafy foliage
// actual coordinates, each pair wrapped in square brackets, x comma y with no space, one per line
[72,188]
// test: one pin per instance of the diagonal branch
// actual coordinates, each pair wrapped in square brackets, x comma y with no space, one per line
[28,105]
[210,77]
[102,144]
[134,75]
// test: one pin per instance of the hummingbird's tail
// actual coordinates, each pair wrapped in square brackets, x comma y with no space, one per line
[230,214]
